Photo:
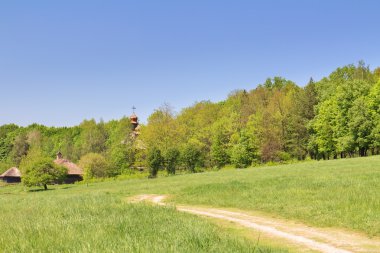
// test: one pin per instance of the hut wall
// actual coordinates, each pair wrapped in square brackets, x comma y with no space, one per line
[70,179]
[10,180]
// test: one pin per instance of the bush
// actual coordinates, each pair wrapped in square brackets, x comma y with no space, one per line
[155,161]
[243,153]
[171,159]
[240,157]
[190,157]
[94,166]
[40,170]
[4,166]
[284,156]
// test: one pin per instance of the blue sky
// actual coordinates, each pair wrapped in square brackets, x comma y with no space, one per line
[64,61]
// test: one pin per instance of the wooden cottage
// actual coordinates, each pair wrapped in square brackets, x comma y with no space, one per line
[13,175]
[74,173]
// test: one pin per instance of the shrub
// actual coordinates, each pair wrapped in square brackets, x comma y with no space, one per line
[240,157]
[284,156]
[171,160]
[243,153]
[4,166]
[155,161]
[190,157]
[94,166]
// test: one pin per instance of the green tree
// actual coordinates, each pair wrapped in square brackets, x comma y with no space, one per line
[190,157]
[360,125]
[4,165]
[171,160]
[93,137]
[121,151]
[219,147]
[323,126]
[162,129]
[243,153]
[155,161]
[40,170]
[20,148]
[94,166]
[373,104]
[7,133]
[122,157]
[196,124]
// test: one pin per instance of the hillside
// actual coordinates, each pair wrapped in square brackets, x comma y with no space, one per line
[339,194]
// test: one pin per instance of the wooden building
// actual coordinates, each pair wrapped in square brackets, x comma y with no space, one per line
[135,125]
[74,173]
[13,175]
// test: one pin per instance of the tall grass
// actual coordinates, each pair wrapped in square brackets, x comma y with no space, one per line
[340,193]
[64,221]
[343,193]
[337,193]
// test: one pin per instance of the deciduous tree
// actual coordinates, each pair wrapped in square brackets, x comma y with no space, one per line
[40,170]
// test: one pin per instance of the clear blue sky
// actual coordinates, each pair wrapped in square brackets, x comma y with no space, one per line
[64,61]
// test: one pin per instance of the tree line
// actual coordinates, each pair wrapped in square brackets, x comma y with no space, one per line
[336,117]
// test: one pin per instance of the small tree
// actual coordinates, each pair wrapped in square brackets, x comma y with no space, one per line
[155,161]
[219,148]
[20,148]
[240,158]
[40,170]
[190,157]
[94,166]
[121,157]
[243,153]
[171,159]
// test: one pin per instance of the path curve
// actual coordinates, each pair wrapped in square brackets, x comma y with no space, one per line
[322,240]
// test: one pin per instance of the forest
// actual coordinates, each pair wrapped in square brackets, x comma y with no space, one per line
[278,121]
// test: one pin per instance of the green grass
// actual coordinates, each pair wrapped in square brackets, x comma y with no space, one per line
[343,193]
[339,193]
[62,220]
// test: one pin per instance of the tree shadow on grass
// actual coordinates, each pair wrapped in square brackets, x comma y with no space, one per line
[66,187]
[51,189]
[40,190]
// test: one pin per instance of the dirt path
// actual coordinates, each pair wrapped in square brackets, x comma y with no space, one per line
[322,240]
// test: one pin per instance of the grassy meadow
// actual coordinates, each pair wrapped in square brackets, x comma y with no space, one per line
[64,221]
[98,218]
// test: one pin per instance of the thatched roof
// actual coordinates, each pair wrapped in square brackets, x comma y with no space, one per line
[72,168]
[12,172]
